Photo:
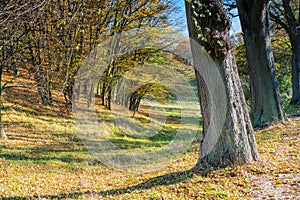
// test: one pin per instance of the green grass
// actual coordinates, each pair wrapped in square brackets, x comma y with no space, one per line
[290,109]
[124,141]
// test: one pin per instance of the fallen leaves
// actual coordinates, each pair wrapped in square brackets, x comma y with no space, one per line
[62,168]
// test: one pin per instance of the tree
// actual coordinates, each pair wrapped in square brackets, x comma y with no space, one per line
[282,53]
[12,17]
[209,25]
[284,15]
[129,16]
[266,105]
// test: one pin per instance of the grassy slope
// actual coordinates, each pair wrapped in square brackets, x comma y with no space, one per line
[44,158]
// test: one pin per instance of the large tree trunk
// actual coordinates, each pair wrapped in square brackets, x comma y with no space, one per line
[296,72]
[293,30]
[236,143]
[266,104]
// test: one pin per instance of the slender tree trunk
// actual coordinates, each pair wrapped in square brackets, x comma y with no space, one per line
[98,89]
[109,99]
[49,93]
[41,87]
[236,143]
[90,95]
[103,94]
[266,104]
[2,132]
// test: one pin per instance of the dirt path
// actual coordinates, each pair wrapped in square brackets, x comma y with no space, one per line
[279,177]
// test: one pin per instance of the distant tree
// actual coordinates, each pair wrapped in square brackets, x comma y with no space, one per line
[50,39]
[152,90]
[209,25]
[282,54]
[254,17]
[285,14]
[128,16]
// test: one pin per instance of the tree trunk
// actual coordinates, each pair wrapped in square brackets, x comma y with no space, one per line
[42,91]
[266,104]
[236,143]
[103,94]
[90,96]
[49,93]
[296,73]
[293,30]
[108,105]
[204,102]
[2,133]
[98,89]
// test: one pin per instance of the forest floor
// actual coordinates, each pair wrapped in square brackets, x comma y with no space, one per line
[45,159]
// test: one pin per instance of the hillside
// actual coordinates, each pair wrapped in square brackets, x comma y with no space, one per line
[45,159]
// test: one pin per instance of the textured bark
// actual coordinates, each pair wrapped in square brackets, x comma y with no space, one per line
[203,99]
[236,144]
[293,30]
[296,73]
[266,104]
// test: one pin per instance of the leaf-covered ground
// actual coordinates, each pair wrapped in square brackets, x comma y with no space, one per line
[45,164]
[44,159]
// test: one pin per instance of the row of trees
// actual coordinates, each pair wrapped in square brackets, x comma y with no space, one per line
[285,16]
[209,25]
[48,40]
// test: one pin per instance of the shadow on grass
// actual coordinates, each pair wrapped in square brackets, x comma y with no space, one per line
[26,98]
[69,158]
[64,152]
[39,113]
[164,180]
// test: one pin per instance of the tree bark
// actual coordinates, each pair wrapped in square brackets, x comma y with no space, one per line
[90,96]
[266,104]
[236,143]
[2,133]
[296,72]
[103,94]
[293,30]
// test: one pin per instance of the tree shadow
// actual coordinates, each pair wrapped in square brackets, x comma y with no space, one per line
[164,180]
[65,152]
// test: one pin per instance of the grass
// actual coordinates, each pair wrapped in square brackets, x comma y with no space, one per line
[290,109]
[44,158]
[124,141]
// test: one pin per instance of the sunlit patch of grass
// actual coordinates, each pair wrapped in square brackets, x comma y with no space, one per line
[125,141]
[143,120]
